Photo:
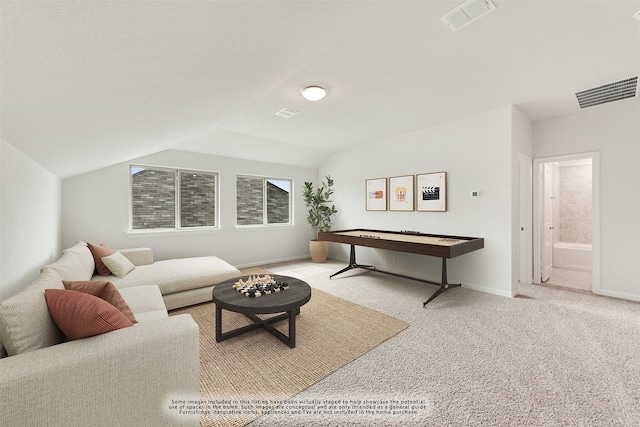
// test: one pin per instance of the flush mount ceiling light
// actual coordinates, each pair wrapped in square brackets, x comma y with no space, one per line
[314,93]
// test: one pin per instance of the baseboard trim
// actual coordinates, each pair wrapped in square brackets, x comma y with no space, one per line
[272,261]
[614,294]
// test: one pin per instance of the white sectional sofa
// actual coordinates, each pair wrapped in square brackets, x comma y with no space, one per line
[182,281]
[124,377]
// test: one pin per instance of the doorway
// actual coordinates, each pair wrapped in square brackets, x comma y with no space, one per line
[566,221]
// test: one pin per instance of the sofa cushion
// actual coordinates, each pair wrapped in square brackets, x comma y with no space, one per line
[81,315]
[146,302]
[76,263]
[103,290]
[25,323]
[138,256]
[118,264]
[177,275]
[99,252]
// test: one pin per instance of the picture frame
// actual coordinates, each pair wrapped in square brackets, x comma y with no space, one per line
[401,193]
[431,192]
[376,194]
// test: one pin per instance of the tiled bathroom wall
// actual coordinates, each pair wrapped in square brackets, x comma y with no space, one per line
[575,203]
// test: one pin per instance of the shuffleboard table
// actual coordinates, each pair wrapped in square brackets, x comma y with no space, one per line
[435,245]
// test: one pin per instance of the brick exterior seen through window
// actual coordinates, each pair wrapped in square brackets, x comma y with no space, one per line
[249,195]
[154,199]
[197,200]
[277,205]
[250,202]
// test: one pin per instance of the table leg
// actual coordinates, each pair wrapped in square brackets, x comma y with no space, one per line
[352,263]
[218,323]
[444,284]
[261,323]
[292,329]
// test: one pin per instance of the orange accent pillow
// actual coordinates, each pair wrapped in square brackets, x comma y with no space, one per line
[80,315]
[98,253]
[103,290]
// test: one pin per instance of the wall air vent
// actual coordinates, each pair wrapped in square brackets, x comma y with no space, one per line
[608,93]
[286,113]
[466,13]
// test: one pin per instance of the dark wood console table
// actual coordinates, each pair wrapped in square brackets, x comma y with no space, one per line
[435,245]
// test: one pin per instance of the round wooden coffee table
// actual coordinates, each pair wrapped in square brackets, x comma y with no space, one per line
[287,302]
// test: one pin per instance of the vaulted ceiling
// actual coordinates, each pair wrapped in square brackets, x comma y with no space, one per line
[87,84]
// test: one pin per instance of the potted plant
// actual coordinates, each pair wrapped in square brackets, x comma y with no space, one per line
[319,217]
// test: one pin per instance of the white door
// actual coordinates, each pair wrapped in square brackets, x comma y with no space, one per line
[524,213]
[547,247]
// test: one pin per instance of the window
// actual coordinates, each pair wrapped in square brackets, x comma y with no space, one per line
[263,201]
[163,198]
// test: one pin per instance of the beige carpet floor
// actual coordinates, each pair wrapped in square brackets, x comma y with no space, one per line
[246,376]
[546,358]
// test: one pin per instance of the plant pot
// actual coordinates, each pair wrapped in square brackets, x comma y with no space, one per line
[319,250]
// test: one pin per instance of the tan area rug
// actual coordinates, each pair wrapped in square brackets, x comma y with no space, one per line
[246,376]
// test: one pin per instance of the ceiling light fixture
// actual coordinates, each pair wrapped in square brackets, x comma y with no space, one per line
[314,93]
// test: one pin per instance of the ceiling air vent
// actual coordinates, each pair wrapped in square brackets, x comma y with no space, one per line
[608,93]
[466,13]
[286,113]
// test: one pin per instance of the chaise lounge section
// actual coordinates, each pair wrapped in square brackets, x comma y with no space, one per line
[182,281]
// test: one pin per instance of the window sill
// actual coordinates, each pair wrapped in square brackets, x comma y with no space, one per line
[172,231]
[262,227]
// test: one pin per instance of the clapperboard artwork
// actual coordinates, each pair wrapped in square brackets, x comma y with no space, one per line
[430,193]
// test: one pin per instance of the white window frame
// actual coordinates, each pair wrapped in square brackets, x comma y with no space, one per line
[177,225]
[266,178]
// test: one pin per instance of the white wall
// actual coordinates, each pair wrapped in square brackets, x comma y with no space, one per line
[30,224]
[614,131]
[521,133]
[477,154]
[96,209]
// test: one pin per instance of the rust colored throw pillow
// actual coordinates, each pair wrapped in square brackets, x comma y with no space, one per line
[98,253]
[103,290]
[80,315]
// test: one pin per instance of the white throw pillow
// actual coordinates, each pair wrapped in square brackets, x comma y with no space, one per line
[25,323]
[118,264]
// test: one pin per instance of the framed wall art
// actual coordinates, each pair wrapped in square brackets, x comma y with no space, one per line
[401,193]
[376,194]
[432,191]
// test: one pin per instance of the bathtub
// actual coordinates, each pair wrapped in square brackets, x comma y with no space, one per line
[573,256]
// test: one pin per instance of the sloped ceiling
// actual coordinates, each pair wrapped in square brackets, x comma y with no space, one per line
[87,84]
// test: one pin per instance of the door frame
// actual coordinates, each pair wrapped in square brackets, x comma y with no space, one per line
[546,247]
[538,205]
[525,231]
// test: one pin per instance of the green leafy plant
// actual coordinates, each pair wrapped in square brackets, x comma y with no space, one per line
[317,201]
